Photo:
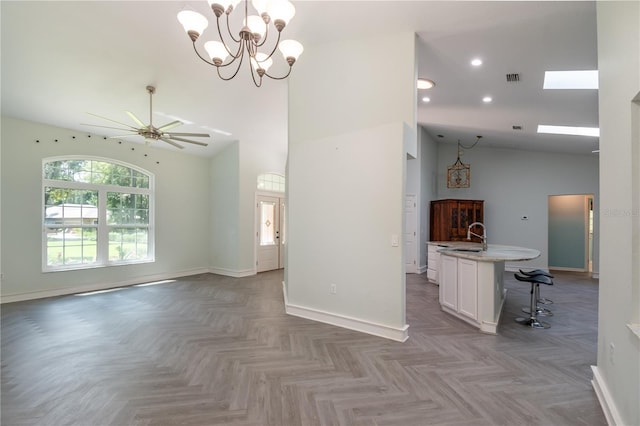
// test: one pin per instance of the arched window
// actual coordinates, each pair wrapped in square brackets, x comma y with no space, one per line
[271,182]
[96,212]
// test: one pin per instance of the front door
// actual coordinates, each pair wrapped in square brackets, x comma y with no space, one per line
[268,233]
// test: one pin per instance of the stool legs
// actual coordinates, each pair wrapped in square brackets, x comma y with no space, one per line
[532,321]
[542,300]
[539,310]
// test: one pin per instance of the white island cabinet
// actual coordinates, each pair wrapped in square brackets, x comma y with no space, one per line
[471,283]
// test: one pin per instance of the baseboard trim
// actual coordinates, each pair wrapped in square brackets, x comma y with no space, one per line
[235,273]
[595,275]
[604,397]
[562,268]
[392,333]
[98,286]
[422,269]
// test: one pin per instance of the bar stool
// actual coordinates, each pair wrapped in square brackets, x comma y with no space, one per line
[540,299]
[532,321]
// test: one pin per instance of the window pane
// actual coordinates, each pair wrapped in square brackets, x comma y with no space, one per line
[97,172]
[71,246]
[128,244]
[267,223]
[70,207]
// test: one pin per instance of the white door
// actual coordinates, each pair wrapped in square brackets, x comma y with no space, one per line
[268,233]
[410,234]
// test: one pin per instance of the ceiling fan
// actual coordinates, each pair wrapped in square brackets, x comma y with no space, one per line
[149,132]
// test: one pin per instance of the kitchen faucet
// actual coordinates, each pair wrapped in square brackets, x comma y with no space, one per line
[483,237]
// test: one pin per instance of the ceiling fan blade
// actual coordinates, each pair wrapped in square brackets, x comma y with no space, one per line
[197,135]
[136,119]
[172,143]
[106,127]
[189,141]
[170,125]
[122,136]
[108,119]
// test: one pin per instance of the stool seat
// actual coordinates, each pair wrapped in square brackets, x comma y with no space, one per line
[536,272]
[532,273]
[538,279]
[534,311]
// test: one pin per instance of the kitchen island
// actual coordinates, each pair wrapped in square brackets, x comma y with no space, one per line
[471,280]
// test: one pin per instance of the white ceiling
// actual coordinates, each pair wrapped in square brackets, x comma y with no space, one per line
[61,59]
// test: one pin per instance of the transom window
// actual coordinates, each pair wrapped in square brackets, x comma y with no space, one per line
[271,182]
[97,212]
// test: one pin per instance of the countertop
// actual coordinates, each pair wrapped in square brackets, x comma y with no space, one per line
[494,252]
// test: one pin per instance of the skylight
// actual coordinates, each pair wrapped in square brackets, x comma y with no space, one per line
[570,80]
[569,130]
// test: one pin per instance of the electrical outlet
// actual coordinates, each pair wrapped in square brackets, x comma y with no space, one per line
[333,289]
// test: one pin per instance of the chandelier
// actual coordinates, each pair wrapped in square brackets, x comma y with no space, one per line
[459,173]
[252,36]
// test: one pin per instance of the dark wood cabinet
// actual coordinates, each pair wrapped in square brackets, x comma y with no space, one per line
[451,218]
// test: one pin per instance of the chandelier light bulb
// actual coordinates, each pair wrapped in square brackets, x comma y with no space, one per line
[217,52]
[262,60]
[281,10]
[256,25]
[194,23]
[260,6]
[291,49]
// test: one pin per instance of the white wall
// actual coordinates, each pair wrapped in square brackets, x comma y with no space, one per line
[225,211]
[182,210]
[346,172]
[516,183]
[617,375]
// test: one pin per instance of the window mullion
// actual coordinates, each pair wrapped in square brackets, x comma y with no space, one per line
[103,229]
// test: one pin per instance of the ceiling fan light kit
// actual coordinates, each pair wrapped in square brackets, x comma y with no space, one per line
[149,132]
[252,36]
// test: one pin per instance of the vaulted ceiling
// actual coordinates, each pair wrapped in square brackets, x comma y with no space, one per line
[62,59]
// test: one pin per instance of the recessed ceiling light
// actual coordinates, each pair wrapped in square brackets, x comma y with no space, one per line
[426,99]
[424,83]
[487,99]
[569,130]
[476,62]
[570,80]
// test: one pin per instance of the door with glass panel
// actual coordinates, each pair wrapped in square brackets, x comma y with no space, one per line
[269,240]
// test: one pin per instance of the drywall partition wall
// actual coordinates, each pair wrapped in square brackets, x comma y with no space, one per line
[343,264]
[346,171]
[225,211]
[516,192]
[182,211]
[617,375]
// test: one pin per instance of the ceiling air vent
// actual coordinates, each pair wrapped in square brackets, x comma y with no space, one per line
[513,77]
[516,127]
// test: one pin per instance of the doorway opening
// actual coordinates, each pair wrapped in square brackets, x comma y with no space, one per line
[571,232]
[270,222]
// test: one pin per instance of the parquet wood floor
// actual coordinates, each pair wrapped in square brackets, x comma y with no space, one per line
[212,350]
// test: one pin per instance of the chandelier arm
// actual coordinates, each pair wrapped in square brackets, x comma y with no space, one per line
[266,36]
[280,78]
[228,30]
[202,57]
[274,47]
[235,72]
[253,76]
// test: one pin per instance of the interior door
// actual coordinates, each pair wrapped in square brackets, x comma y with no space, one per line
[268,233]
[410,234]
